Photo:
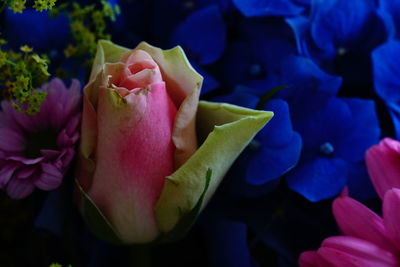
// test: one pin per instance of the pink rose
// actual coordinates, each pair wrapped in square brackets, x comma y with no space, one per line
[140,168]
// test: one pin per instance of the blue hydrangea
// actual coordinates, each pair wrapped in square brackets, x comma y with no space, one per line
[257,8]
[340,35]
[272,153]
[36,29]
[335,139]
[202,35]
[387,78]
[390,12]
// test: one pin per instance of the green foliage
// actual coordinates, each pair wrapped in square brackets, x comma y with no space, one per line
[58,265]
[20,74]
[88,25]
[17,6]
[41,5]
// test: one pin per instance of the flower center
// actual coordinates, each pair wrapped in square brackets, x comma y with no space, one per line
[254,145]
[341,51]
[255,70]
[327,149]
[45,139]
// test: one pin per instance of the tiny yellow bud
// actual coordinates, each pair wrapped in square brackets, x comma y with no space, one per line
[26,49]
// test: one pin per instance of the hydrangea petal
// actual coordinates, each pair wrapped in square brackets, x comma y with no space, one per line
[202,28]
[254,8]
[364,133]
[45,34]
[339,22]
[386,71]
[390,12]
[272,162]
[319,179]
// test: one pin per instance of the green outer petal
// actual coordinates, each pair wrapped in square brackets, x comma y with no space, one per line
[177,72]
[227,130]
[107,52]
[95,219]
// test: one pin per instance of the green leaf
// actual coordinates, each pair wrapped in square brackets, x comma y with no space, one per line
[268,95]
[107,52]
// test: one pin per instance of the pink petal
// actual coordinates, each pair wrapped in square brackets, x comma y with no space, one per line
[308,259]
[6,173]
[138,80]
[391,215]
[67,158]
[383,163]
[19,188]
[50,178]
[61,103]
[353,252]
[7,119]
[24,160]
[134,154]
[25,172]
[73,125]
[50,154]
[141,70]
[354,219]
[11,141]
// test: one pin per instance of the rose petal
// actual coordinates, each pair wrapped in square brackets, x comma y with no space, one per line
[138,162]
[138,80]
[183,85]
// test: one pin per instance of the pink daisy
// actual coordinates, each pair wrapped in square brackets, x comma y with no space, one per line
[36,150]
[368,240]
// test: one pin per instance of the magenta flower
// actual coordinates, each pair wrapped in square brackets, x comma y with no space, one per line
[36,150]
[368,239]
[383,163]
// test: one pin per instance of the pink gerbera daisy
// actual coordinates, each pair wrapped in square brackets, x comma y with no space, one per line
[368,240]
[36,150]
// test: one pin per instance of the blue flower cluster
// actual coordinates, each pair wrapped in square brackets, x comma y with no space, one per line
[327,68]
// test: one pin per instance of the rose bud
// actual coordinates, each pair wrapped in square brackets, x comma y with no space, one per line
[151,155]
